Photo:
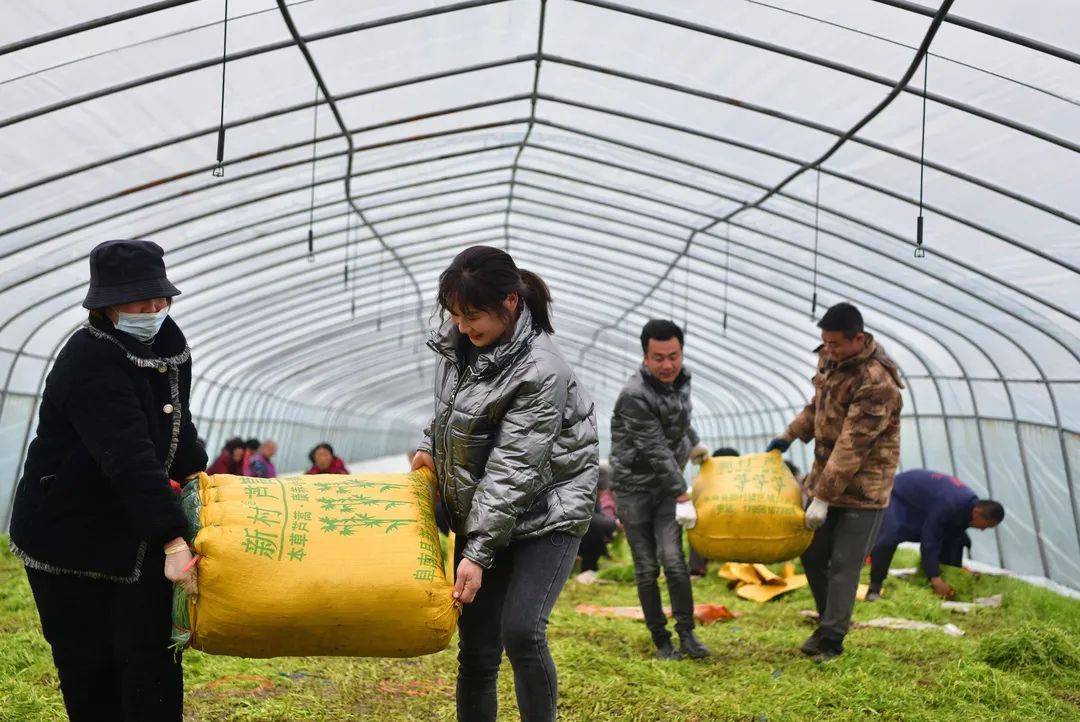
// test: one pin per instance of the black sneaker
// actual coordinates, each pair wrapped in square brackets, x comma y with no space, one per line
[691,646]
[666,651]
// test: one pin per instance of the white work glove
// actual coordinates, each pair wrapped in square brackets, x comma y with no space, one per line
[815,513]
[699,454]
[685,514]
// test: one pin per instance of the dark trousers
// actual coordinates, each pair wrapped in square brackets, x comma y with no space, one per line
[698,564]
[511,612]
[880,559]
[594,543]
[833,563]
[110,644]
[656,540]
[951,551]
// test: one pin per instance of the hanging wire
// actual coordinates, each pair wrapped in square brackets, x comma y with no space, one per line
[817,213]
[919,251]
[673,293]
[355,280]
[378,319]
[219,169]
[311,210]
[686,292]
[727,259]
[352,298]
[348,239]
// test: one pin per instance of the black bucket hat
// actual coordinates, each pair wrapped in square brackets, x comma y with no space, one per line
[126,271]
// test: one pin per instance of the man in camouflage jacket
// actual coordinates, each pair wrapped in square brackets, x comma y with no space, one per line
[854,420]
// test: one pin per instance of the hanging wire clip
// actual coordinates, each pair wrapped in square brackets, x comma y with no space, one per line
[919,251]
[219,169]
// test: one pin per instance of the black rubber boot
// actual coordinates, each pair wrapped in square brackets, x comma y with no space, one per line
[666,650]
[691,646]
[811,646]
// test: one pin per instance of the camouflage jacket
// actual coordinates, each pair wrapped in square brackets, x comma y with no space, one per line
[854,420]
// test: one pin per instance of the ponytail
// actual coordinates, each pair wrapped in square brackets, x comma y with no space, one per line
[480,277]
[538,298]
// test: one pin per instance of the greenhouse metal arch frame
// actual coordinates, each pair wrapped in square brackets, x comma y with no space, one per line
[666,181]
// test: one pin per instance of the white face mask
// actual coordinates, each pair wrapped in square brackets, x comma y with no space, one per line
[143,326]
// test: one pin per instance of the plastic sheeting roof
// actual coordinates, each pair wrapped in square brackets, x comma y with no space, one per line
[723,164]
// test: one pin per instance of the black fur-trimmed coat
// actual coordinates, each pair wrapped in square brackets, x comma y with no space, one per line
[114,426]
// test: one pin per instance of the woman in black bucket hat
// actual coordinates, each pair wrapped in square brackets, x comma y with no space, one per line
[95,521]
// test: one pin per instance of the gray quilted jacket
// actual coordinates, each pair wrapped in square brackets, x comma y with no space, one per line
[514,441]
[651,435]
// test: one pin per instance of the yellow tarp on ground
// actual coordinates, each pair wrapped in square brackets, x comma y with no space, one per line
[758,584]
[320,565]
[749,509]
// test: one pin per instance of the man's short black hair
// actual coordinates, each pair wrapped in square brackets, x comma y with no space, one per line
[661,331]
[252,444]
[991,510]
[726,451]
[843,317]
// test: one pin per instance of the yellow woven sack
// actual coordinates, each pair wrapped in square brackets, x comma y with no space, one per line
[316,565]
[749,509]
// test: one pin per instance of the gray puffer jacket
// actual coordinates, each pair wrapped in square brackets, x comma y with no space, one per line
[651,435]
[514,441]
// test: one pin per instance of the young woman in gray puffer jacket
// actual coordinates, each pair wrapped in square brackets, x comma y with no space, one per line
[514,448]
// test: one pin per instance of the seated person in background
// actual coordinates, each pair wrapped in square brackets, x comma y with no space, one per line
[935,510]
[260,464]
[251,447]
[602,529]
[325,461]
[230,460]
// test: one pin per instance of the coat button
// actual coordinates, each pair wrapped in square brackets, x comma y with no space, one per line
[167,408]
[162,369]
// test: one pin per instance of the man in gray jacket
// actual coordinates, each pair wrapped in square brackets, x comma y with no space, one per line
[651,441]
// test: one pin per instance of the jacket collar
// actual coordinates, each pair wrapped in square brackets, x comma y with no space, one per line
[872,351]
[967,509]
[447,340]
[681,380]
[169,347]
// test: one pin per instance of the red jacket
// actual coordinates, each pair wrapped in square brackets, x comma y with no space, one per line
[337,466]
[224,465]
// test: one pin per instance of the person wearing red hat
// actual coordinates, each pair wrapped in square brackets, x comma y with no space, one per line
[95,522]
